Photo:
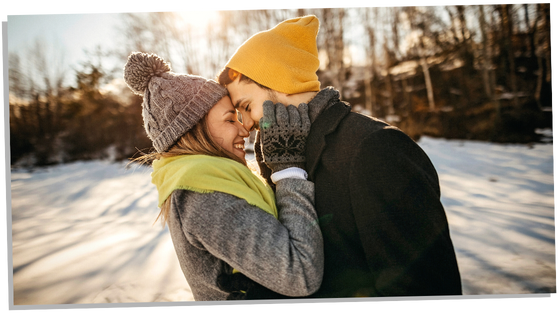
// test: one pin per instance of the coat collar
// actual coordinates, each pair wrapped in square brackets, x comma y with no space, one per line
[323,100]
[326,123]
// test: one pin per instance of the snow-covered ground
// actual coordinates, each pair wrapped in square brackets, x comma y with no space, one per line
[85,233]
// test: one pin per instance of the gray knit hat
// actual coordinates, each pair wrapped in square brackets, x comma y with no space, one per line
[173,103]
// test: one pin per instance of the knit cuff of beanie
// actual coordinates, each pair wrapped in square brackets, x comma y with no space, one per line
[209,94]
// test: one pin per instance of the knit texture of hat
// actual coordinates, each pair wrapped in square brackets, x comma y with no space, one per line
[283,58]
[173,103]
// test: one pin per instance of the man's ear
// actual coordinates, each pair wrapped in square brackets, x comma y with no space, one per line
[233,75]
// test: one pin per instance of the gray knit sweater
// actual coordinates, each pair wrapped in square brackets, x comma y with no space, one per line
[215,232]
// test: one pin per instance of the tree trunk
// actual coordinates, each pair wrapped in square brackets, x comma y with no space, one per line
[389,86]
[529,30]
[485,57]
[453,27]
[339,47]
[538,55]
[466,55]
[428,81]
[546,13]
[506,19]
[368,90]
[424,28]
[371,65]
[406,95]
[540,78]
[395,29]
[492,71]
[331,44]
[388,81]
[462,22]
[427,78]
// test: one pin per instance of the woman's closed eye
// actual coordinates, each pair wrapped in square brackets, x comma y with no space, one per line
[230,117]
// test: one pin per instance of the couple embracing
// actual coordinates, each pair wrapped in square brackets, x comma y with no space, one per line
[338,204]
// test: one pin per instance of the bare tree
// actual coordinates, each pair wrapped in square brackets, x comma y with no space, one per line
[453,28]
[301,12]
[370,21]
[47,60]
[466,52]
[388,79]
[17,80]
[530,31]
[487,72]
[395,25]
[155,32]
[507,25]
[187,45]
[339,46]
[542,48]
[462,23]
[420,21]
[545,7]
[396,35]
[331,40]
[220,45]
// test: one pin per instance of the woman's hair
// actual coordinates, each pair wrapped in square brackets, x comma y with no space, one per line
[197,141]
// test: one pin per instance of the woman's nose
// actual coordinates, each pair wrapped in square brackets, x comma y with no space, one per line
[243,132]
[248,123]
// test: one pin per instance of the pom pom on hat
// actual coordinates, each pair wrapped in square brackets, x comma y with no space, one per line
[140,68]
[173,103]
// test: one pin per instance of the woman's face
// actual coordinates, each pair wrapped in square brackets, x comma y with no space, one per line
[226,130]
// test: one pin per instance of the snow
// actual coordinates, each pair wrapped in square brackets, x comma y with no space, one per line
[499,200]
[85,233]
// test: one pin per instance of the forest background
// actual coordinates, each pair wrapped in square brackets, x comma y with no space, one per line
[478,72]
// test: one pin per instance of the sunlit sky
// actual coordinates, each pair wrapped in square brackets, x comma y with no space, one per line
[72,34]
[73,31]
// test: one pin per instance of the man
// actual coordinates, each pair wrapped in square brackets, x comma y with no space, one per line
[376,192]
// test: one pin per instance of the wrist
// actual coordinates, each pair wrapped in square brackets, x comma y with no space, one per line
[290,172]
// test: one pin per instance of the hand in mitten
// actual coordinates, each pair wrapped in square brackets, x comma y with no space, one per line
[266,172]
[284,133]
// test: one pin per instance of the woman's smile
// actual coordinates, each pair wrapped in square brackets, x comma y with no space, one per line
[227,131]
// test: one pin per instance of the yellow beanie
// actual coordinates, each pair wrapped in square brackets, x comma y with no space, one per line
[283,58]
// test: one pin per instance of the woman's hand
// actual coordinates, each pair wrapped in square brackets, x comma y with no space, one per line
[284,131]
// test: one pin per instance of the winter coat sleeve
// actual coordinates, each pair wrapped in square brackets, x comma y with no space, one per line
[284,254]
[402,225]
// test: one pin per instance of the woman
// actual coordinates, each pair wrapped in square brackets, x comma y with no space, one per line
[222,218]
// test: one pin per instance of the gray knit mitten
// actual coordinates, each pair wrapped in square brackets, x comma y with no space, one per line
[284,132]
[266,172]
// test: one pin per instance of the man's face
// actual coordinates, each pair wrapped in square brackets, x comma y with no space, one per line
[248,99]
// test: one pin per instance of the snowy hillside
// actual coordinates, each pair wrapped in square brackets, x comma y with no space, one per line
[84,232]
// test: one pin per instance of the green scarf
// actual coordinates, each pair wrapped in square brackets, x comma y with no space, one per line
[207,174]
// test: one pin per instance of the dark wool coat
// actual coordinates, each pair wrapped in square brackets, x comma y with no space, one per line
[377,197]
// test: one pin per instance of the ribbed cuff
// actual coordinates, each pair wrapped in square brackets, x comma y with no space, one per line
[290,172]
